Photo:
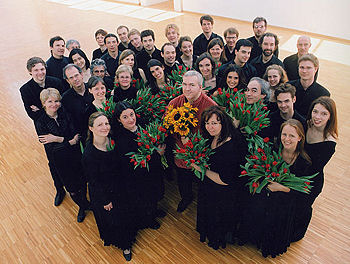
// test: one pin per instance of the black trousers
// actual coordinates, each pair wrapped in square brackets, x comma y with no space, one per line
[185,177]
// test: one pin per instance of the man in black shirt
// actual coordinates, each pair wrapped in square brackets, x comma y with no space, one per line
[135,41]
[200,44]
[149,51]
[285,98]
[98,68]
[230,35]
[172,33]
[124,43]
[291,62]
[243,48]
[307,89]
[259,28]
[30,93]
[77,98]
[268,43]
[169,55]
[57,61]
[111,58]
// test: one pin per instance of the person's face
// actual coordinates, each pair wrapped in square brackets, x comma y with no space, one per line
[213,126]
[187,48]
[191,88]
[73,46]
[172,35]
[205,67]
[135,40]
[274,77]
[290,138]
[124,79]
[38,73]
[285,103]
[123,35]
[243,54]
[148,43]
[253,92]
[207,26]
[157,72]
[259,29]
[74,78]
[231,40]
[307,70]
[101,127]
[112,44]
[100,40]
[169,55]
[128,119]
[52,104]
[215,52]
[303,45]
[320,116]
[98,91]
[268,46]
[58,48]
[99,71]
[232,80]
[129,60]
[79,61]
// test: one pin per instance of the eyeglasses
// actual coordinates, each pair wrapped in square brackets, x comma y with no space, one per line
[97,71]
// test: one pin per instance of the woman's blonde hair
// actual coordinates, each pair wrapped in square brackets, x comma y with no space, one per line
[49,92]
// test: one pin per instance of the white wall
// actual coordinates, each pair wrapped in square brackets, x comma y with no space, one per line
[324,17]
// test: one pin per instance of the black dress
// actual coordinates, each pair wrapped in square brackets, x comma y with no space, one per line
[116,227]
[121,95]
[65,157]
[217,210]
[140,188]
[269,216]
[320,153]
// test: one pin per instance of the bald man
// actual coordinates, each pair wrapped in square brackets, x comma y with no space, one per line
[291,62]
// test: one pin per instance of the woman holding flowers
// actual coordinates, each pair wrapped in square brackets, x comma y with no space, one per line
[142,188]
[269,217]
[233,78]
[217,213]
[61,141]
[321,136]
[124,87]
[114,218]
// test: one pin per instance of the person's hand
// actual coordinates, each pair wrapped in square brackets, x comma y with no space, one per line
[34,108]
[235,122]
[184,140]
[108,207]
[74,140]
[161,149]
[49,138]
[216,93]
[196,167]
[277,187]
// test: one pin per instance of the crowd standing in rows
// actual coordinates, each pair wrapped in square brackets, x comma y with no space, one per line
[65,96]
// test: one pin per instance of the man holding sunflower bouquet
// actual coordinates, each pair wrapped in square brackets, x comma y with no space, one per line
[193,94]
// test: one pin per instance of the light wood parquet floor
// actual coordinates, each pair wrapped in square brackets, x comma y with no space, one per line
[32,230]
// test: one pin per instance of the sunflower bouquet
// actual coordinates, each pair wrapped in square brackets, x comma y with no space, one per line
[180,119]
[265,165]
[195,151]
[148,140]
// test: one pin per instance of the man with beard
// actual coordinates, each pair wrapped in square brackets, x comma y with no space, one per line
[268,43]
[259,28]
[168,52]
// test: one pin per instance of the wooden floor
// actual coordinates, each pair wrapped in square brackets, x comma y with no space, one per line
[32,230]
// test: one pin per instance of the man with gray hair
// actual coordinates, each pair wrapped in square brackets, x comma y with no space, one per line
[193,93]
[72,44]
[257,89]
[98,68]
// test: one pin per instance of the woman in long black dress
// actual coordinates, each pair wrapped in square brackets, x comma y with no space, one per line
[321,136]
[217,210]
[269,216]
[61,141]
[114,219]
[141,189]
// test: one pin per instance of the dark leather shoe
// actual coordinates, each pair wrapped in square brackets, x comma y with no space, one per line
[59,197]
[81,215]
[182,206]
[127,256]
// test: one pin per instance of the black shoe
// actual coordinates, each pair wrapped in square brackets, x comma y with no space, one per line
[59,197]
[182,205]
[127,256]
[202,238]
[81,215]
[160,213]
[154,225]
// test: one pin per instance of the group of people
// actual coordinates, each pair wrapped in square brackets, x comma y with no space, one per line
[85,148]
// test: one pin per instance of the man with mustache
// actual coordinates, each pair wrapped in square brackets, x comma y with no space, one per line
[268,43]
